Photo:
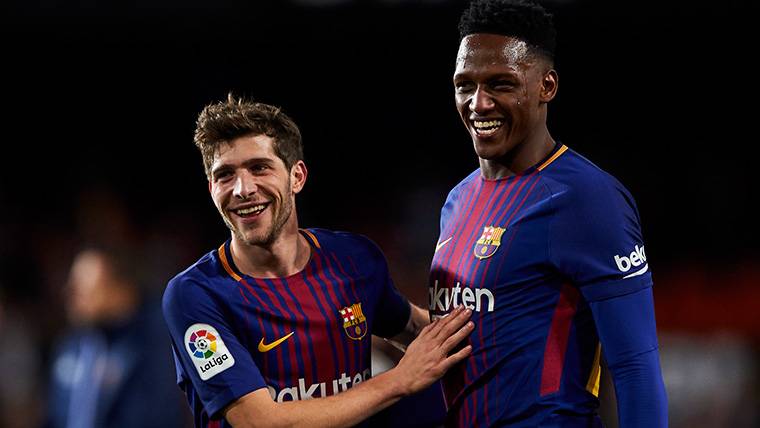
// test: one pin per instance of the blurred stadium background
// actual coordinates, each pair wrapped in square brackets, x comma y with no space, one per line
[100,100]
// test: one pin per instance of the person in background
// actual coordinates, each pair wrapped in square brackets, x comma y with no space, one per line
[113,367]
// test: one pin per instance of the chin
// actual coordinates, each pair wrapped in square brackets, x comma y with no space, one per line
[255,240]
[492,150]
[259,237]
[488,153]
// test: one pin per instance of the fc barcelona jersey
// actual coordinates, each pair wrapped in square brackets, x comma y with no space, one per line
[304,336]
[527,254]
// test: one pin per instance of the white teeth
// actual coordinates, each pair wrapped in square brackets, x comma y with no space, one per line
[249,210]
[486,128]
[489,124]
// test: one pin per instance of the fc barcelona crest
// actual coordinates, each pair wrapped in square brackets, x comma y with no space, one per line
[354,321]
[489,242]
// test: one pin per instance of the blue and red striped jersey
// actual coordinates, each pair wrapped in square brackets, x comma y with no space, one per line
[303,336]
[529,253]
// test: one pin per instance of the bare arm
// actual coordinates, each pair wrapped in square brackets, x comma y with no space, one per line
[425,361]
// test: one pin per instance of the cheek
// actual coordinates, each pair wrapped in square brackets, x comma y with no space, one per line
[461,105]
[218,195]
[521,104]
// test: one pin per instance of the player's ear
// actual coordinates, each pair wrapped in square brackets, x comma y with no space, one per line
[298,174]
[209,185]
[549,86]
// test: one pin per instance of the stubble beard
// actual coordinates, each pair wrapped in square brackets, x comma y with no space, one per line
[274,230]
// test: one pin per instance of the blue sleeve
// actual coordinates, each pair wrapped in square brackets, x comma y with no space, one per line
[626,327]
[393,309]
[596,242]
[209,353]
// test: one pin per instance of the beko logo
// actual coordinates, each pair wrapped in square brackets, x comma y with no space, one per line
[637,258]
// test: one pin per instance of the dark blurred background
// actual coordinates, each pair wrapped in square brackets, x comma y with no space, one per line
[100,100]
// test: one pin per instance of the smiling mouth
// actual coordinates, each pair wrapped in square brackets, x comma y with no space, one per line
[486,128]
[252,211]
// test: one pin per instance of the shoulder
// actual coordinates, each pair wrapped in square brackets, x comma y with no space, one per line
[457,194]
[358,250]
[194,282]
[576,182]
[462,187]
[342,242]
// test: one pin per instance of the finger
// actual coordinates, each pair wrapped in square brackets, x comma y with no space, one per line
[428,328]
[457,337]
[441,322]
[457,357]
[454,323]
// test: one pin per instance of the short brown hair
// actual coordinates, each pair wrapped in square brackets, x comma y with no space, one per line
[220,123]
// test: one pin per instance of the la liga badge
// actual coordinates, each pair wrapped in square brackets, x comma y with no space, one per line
[207,350]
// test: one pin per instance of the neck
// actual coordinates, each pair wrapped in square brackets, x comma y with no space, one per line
[286,256]
[519,159]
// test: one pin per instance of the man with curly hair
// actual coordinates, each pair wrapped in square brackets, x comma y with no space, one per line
[542,245]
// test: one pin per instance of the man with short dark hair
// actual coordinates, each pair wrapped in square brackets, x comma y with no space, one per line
[273,328]
[542,245]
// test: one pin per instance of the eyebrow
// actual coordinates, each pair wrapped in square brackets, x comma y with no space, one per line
[246,163]
[504,75]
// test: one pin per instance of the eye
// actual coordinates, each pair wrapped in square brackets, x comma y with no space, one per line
[223,175]
[464,87]
[502,85]
[259,168]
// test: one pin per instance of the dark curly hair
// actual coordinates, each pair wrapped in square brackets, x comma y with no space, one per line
[522,19]
[222,122]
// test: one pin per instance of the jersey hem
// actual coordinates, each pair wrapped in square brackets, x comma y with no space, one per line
[609,289]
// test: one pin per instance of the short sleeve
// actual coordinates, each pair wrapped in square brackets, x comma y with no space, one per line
[596,239]
[393,309]
[208,353]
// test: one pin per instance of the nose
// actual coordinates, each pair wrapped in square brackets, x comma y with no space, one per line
[245,186]
[481,102]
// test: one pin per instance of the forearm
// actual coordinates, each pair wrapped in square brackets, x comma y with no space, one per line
[627,330]
[640,392]
[425,361]
[350,407]
[342,410]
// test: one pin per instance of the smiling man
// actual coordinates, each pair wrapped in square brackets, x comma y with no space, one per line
[542,245]
[273,328]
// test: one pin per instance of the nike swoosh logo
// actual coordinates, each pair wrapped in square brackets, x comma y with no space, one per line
[269,347]
[441,244]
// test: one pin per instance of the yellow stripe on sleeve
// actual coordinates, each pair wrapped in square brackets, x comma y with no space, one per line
[592,385]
